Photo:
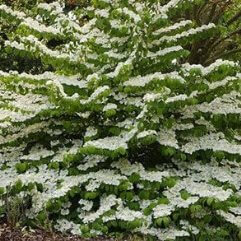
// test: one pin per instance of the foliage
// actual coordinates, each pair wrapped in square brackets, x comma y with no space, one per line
[14,207]
[119,134]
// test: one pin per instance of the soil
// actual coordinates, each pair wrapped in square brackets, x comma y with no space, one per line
[8,233]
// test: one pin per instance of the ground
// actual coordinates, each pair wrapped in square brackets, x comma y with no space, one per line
[8,233]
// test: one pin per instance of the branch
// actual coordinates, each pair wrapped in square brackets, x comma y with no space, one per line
[222,9]
[238,31]
[234,18]
[216,43]
[201,8]
[195,13]
[212,13]
[234,51]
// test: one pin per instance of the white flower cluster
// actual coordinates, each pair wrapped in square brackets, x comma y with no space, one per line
[108,143]
[37,153]
[170,28]
[35,25]
[167,137]
[17,14]
[63,225]
[95,94]
[214,141]
[188,33]
[165,51]
[110,106]
[209,69]
[146,133]
[32,44]
[91,161]
[141,81]
[231,218]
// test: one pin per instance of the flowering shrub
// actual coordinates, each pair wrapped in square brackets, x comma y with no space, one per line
[121,135]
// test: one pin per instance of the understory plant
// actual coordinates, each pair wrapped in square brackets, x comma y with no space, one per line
[119,135]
